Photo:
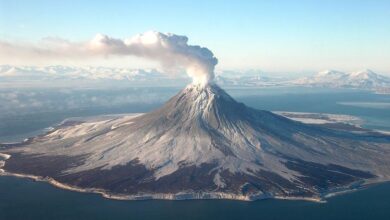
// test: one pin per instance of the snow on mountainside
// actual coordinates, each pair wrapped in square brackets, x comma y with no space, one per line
[203,144]
[364,79]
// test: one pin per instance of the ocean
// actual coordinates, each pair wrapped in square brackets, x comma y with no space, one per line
[25,199]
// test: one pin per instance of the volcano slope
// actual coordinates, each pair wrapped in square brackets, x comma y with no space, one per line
[203,144]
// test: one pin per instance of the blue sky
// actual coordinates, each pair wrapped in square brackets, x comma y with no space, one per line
[275,36]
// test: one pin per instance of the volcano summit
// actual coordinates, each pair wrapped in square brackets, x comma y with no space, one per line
[203,144]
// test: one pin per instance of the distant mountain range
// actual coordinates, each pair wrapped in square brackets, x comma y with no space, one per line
[364,79]
[59,73]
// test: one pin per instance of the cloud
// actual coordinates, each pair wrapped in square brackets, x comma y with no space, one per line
[172,51]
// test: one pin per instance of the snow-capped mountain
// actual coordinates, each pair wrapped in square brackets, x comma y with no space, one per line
[58,73]
[203,144]
[364,79]
[250,78]
[250,81]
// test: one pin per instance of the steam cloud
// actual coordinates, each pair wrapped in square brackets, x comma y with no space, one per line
[170,50]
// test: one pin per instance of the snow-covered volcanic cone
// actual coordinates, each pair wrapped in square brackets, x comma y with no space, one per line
[204,144]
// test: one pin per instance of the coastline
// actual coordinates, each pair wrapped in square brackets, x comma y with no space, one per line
[3,158]
[157,196]
[160,196]
[172,196]
[359,185]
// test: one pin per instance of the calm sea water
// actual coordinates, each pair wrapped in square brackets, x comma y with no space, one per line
[26,199]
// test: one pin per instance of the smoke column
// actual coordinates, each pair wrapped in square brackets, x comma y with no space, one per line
[170,50]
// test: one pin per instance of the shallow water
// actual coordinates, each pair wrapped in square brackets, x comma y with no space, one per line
[26,199]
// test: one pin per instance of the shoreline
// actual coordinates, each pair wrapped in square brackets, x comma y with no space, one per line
[182,195]
[174,196]
[353,187]
[157,196]
[160,196]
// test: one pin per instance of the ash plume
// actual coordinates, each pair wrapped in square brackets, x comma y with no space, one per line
[170,50]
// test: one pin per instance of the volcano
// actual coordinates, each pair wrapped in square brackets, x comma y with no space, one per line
[203,144]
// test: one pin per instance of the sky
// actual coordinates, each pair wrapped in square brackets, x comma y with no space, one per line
[274,36]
